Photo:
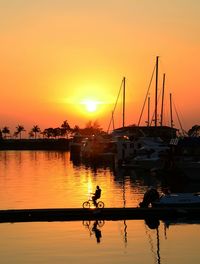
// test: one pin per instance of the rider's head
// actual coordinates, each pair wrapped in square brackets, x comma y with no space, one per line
[97,187]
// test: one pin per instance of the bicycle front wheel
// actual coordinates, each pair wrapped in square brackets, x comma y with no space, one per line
[100,223]
[100,204]
[86,205]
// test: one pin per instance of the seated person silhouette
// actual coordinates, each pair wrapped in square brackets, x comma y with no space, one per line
[96,195]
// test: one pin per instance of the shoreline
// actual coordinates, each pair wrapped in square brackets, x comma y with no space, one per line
[152,215]
[34,144]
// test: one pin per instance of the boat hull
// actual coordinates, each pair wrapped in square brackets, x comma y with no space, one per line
[178,200]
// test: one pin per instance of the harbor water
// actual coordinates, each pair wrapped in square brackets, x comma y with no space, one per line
[50,179]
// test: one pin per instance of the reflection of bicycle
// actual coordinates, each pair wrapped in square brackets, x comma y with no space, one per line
[90,203]
[99,223]
[94,227]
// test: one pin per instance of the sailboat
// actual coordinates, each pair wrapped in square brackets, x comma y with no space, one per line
[149,143]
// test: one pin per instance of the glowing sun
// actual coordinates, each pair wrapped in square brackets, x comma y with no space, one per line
[91,106]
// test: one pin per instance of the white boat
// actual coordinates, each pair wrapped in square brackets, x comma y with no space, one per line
[153,198]
[97,146]
[148,153]
[124,149]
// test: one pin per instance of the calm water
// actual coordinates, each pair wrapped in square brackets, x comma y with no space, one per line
[39,179]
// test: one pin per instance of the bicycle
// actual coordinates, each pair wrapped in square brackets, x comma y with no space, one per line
[87,223]
[94,227]
[89,203]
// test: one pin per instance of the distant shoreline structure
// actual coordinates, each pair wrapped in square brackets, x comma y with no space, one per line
[35,144]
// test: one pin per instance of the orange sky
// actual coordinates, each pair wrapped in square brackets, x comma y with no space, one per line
[57,54]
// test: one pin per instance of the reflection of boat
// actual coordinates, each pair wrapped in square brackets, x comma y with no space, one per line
[180,221]
[154,231]
[189,168]
[170,200]
[185,156]
[154,223]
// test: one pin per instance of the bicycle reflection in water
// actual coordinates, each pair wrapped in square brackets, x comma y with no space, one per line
[94,228]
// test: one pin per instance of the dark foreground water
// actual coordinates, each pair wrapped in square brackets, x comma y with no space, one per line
[41,179]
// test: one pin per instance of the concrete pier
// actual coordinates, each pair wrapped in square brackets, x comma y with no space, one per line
[77,214]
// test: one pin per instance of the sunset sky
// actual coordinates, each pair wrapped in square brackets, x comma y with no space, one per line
[65,60]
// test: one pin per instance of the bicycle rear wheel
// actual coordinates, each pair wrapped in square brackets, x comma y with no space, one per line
[86,223]
[100,204]
[86,204]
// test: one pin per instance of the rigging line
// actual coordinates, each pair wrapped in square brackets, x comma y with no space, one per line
[111,120]
[158,246]
[146,95]
[118,96]
[125,233]
[150,240]
[115,105]
[183,131]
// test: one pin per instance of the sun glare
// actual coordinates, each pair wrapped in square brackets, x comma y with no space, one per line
[91,106]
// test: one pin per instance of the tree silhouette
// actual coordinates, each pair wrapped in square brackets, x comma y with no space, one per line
[31,134]
[194,131]
[65,129]
[92,129]
[15,134]
[48,132]
[5,131]
[19,130]
[76,130]
[56,132]
[35,130]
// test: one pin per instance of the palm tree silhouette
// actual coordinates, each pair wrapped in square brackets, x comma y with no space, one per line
[31,134]
[5,131]
[19,130]
[35,130]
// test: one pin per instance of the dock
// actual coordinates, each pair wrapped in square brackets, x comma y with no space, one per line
[80,214]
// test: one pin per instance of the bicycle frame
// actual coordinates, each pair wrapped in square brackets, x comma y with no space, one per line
[90,202]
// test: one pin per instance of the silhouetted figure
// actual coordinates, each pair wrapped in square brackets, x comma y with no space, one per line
[150,196]
[96,195]
[96,231]
[152,222]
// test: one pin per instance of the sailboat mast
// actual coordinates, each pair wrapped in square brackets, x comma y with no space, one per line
[156,92]
[148,122]
[171,110]
[162,107]
[124,87]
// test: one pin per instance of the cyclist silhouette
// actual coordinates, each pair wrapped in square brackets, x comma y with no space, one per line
[96,195]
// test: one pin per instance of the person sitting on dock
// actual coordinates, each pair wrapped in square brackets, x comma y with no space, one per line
[96,195]
[151,195]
